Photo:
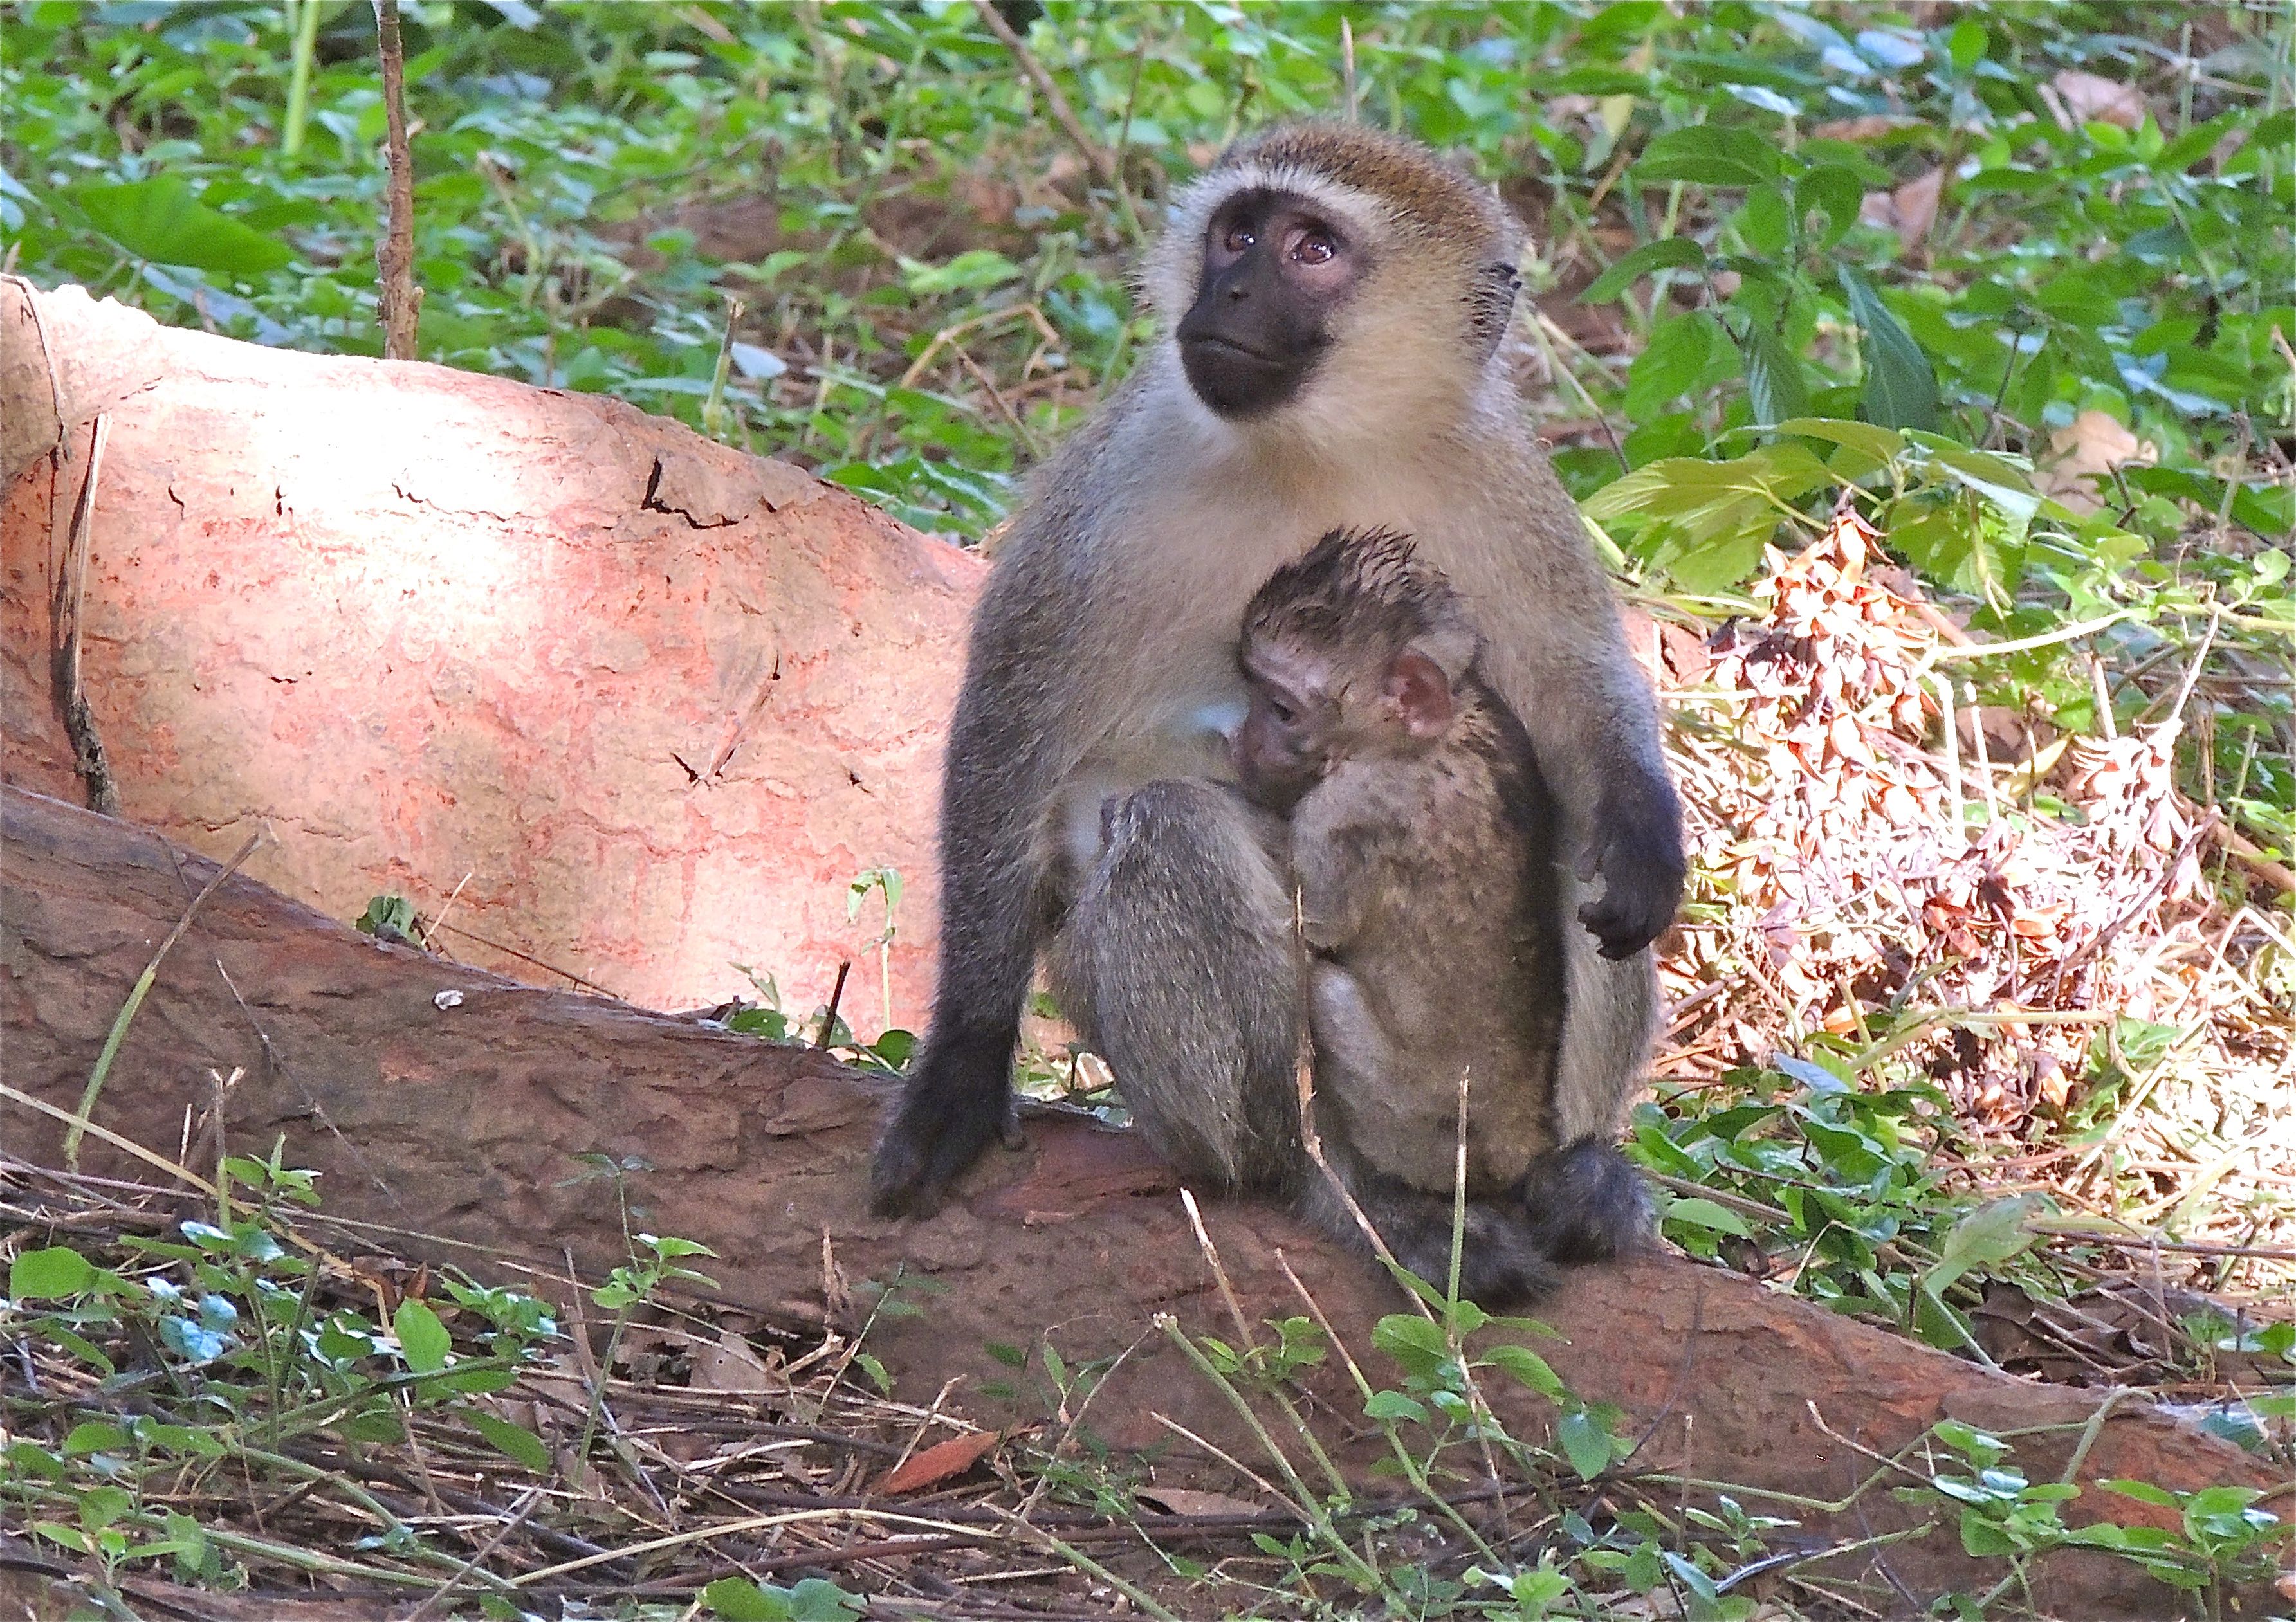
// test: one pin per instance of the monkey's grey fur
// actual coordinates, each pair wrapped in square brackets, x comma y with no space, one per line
[1188,887]
[1103,658]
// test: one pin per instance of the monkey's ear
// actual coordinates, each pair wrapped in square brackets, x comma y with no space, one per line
[1421,691]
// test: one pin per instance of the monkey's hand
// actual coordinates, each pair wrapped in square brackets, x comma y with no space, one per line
[1637,848]
[957,1099]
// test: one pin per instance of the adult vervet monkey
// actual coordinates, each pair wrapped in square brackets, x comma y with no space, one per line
[1333,302]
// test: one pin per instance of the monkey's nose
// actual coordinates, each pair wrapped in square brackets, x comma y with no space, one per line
[1238,293]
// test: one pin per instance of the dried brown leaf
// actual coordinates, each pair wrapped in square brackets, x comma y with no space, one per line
[942,1462]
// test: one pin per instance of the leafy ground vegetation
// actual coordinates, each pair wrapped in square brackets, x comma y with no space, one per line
[1928,373]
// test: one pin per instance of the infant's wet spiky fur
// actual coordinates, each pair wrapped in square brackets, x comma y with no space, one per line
[1365,595]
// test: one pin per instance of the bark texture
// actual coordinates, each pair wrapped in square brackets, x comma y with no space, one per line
[457,1119]
[640,704]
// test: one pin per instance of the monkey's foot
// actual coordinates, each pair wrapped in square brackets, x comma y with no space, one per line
[958,1099]
[1584,1202]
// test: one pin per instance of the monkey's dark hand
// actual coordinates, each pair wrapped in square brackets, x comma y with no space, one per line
[1637,848]
[958,1099]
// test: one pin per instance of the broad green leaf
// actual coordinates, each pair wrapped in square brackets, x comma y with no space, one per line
[160,219]
[1705,1214]
[47,1273]
[1966,44]
[1710,155]
[1835,191]
[516,1441]
[97,1436]
[1987,1237]
[1679,485]
[1418,1345]
[423,1339]
[375,1425]
[1883,445]
[1669,252]
[1999,480]
[1901,386]
[972,271]
[1775,387]
[737,1599]
[1721,550]
[818,1600]
[1983,1536]
[1395,1406]
[1673,361]
[1977,1446]
[1586,1441]
[1527,1367]
[1765,222]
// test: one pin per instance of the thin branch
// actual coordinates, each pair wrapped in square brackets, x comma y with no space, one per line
[67,621]
[396,297]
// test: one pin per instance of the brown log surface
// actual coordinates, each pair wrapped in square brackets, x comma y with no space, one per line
[463,1122]
[648,703]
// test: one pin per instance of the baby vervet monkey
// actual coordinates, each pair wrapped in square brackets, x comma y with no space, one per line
[1421,844]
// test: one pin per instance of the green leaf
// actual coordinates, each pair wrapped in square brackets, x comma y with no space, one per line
[97,1436]
[377,1424]
[1765,222]
[739,1600]
[160,219]
[1996,478]
[1835,191]
[1681,486]
[1981,1535]
[1668,253]
[1990,1235]
[1901,386]
[55,1271]
[818,1600]
[1411,1341]
[1395,1406]
[478,1381]
[1710,155]
[1527,1367]
[1705,1214]
[1673,362]
[513,1441]
[972,271]
[1775,387]
[423,1339]
[1586,1441]
[1883,444]
[1966,44]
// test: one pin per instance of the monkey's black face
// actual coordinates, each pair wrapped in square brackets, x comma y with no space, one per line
[1274,269]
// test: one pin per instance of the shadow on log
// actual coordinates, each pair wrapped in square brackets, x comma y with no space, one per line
[456,1122]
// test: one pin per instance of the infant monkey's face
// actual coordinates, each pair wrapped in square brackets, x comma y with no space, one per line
[1311,709]
[1284,748]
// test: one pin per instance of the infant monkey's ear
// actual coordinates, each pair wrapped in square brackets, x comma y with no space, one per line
[1421,693]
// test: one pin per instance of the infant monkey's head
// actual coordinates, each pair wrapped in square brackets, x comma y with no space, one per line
[1355,651]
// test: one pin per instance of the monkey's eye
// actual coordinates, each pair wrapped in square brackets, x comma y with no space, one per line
[1285,715]
[1314,247]
[1239,239]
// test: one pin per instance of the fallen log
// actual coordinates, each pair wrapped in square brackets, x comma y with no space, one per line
[449,1105]
[640,705]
